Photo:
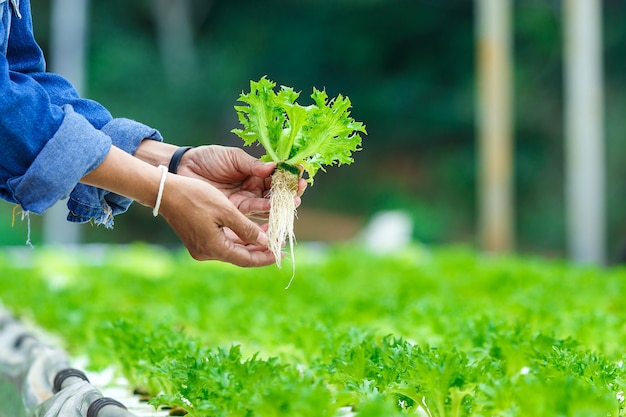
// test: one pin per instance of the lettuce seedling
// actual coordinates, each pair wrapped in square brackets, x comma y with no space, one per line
[301,139]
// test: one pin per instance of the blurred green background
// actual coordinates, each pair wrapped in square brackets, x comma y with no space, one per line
[409,68]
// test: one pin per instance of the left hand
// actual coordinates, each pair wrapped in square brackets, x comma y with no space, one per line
[243,179]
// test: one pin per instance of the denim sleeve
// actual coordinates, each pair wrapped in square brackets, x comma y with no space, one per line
[26,57]
[52,137]
[46,148]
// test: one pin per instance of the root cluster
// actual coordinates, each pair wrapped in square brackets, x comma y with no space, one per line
[282,213]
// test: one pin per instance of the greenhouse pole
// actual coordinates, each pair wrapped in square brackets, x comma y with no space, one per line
[174,22]
[495,211]
[585,182]
[67,58]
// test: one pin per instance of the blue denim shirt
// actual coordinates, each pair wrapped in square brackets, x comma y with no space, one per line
[49,136]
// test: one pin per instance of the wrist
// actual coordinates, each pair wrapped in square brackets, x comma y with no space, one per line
[177,156]
[154,152]
[126,175]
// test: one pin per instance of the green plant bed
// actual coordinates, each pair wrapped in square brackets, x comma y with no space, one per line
[433,331]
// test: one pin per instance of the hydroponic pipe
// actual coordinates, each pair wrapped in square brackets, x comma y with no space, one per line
[98,406]
[67,377]
[41,380]
[44,363]
[5,319]
[108,407]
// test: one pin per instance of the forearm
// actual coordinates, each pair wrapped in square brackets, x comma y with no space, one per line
[126,175]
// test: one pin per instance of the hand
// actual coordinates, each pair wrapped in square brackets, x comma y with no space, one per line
[204,219]
[210,226]
[243,179]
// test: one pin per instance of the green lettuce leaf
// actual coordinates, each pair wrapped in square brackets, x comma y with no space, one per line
[313,136]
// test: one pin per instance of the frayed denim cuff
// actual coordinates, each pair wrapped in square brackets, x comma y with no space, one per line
[92,204]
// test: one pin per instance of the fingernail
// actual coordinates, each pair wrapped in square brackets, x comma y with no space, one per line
[262,239]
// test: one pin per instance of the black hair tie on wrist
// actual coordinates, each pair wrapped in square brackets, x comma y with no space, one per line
[173,166]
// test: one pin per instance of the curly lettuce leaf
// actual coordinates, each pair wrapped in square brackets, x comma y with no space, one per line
[314,136]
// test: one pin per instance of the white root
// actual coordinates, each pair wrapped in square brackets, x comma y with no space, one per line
[282,213]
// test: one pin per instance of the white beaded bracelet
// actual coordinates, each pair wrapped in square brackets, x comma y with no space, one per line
[155,211]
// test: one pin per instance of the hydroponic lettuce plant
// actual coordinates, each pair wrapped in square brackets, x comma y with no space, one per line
[301,139]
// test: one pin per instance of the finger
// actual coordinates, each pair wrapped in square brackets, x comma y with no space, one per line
[238,252]
[247,164]
[259,215]
[253,206]
[230,235]
[254,248]
[247,257]
[302,184]
[262,169]
[247,230]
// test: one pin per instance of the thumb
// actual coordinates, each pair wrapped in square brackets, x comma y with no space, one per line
[249,165]
[262,169]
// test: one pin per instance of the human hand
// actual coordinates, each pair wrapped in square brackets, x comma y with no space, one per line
[210,226]
[243,179]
